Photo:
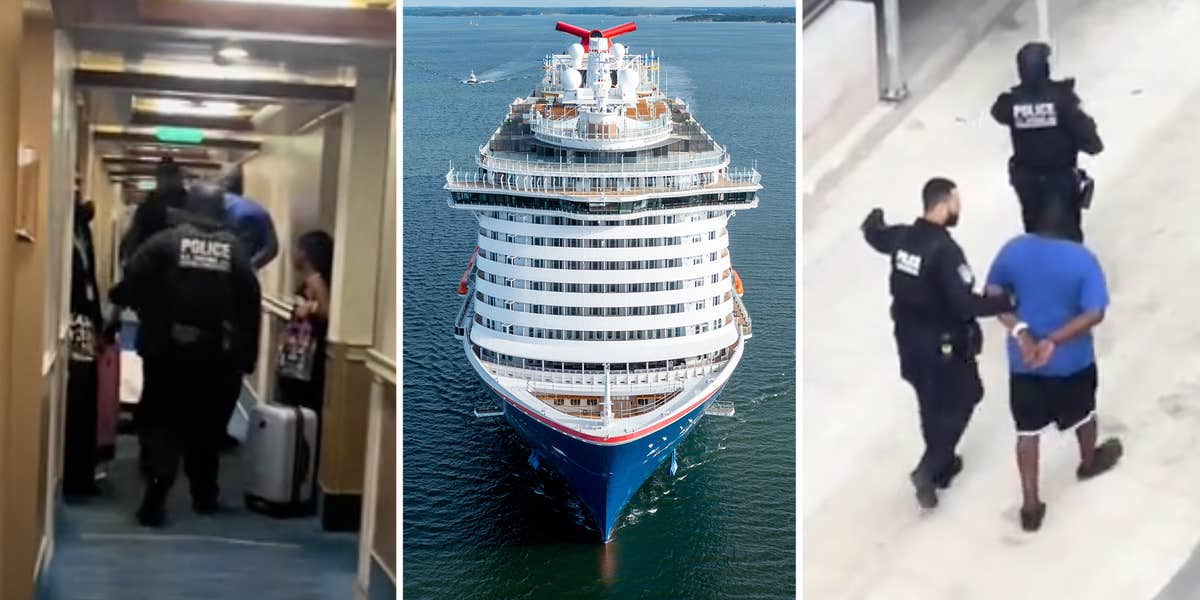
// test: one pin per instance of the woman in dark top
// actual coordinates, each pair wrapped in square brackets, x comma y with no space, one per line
[313,260]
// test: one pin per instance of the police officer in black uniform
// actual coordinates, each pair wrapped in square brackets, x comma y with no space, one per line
[152,216]
[934,308]
[1049,130]
[198,283]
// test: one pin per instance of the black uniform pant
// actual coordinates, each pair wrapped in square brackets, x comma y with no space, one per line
[182,416]
[79,448]
[1033,187]
[948,388]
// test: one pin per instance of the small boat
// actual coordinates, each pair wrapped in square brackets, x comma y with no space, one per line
[472,80]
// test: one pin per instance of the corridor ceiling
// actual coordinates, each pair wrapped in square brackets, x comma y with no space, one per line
[204,81]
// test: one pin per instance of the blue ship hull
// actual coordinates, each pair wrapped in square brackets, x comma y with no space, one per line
[603,475]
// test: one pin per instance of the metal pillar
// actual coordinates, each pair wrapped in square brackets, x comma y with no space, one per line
[896,89]
[1043,20]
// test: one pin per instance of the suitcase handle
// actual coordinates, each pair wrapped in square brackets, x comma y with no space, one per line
[302,452]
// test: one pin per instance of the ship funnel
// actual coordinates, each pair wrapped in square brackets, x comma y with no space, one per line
[585,35]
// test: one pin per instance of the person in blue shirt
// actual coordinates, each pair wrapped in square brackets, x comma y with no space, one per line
[254,227]
[1061,295]
[250,221]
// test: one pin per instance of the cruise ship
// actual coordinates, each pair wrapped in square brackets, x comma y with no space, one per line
[601,305]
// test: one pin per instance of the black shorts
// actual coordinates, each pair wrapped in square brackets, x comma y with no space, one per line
[1037,400]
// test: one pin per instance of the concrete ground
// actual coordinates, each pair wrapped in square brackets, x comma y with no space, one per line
[1124,536]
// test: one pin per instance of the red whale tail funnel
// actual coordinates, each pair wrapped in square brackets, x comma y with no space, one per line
[585,35]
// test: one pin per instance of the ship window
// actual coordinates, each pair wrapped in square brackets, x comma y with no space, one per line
[591,402]
[574,401]
[558,401]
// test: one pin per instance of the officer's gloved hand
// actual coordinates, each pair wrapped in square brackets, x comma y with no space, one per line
[874,220]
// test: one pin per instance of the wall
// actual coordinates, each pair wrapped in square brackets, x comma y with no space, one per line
[37,272]
[840,75]
[109,221]
[286,178]
[377,544]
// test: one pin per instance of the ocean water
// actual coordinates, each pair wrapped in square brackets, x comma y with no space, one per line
[478,522]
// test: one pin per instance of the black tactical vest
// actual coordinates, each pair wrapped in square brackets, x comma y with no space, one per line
[1040,137]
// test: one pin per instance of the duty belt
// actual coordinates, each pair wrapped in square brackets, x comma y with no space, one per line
[191,335]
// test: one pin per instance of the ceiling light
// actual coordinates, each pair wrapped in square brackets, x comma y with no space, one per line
[229,53]
[233,53]
[313,3]
[176,106]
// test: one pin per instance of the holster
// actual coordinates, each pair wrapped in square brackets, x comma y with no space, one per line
[964,345]
[1087,187]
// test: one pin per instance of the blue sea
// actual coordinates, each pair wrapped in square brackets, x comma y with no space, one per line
[478,521]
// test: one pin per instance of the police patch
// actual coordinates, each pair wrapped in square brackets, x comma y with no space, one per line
[1039,115]
[965,273]
[909,264]
[206,254]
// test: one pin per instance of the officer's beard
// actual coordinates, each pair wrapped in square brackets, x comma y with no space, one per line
[951,219]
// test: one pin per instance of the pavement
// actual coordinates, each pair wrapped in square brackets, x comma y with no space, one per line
[1128,535]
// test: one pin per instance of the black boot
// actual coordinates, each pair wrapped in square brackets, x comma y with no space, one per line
[206,504]
[926,490]
[944,480]
[153,512]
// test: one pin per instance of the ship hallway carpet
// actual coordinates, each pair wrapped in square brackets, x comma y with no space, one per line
[101,553]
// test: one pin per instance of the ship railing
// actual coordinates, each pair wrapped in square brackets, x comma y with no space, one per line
[590,405]
[466,314]
[491,181]
[649,377]
[487,160]
[557,131]
[743,317]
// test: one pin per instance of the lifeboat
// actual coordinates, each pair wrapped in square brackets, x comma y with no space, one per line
[462,282]
[737,283]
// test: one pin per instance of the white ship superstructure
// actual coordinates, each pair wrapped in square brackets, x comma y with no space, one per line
[602,301]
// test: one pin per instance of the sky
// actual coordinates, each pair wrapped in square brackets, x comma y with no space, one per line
[571,3]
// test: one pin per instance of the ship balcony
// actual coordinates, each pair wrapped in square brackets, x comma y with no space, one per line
[675,165]
[479,181]
[629,134]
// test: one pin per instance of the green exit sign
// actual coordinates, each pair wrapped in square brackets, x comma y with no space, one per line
[179,135]
[147,185]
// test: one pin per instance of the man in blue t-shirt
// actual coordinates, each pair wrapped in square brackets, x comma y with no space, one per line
[1061,295]
[250,221]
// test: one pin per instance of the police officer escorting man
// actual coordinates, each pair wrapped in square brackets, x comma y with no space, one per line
[934,307]
[1049,130]
[197,282]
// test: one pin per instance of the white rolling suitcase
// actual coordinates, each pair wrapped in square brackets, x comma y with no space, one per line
[281,444]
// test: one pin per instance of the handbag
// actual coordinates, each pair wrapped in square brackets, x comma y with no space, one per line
[297,350]
[82,338]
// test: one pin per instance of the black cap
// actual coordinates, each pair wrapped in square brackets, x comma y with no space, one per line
[206,200]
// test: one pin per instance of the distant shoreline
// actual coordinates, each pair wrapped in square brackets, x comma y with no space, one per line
[683,13]
[722,18]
